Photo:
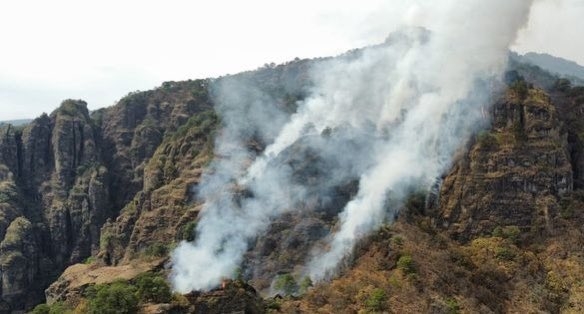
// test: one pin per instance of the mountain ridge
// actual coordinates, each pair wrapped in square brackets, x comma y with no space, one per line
[114,187]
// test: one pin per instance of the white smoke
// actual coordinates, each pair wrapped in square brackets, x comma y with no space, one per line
[417,98]
[468,47]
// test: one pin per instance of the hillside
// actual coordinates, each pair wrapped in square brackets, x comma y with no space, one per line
[558,66]
[503,236]
[89,199]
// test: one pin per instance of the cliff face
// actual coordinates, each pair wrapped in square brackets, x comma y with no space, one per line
[65,174]
[514,174]
[56,200]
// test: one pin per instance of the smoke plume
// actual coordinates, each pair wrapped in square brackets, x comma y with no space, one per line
[396,113]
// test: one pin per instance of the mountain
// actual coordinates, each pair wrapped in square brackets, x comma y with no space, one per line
[19,122]
[558,66]
[92,204]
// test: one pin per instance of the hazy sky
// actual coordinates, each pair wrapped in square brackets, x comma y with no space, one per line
[101,50]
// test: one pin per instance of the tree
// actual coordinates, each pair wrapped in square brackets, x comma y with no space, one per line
[153,288]
[406,264]
[116,298]
[376,300]
[305,284]
[286,284]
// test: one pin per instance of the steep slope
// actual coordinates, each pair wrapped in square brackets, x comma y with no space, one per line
[514,174]
[503,236]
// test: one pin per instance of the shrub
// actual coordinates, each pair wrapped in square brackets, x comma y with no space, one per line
[157,250]
[397,240]
[187,232]
[406,264]
[416,203]
[503,253]
[273,304]
[89,260]
[507,232]
[305,284]
[152,288]
[116,298]
[55,308]
[41,309]
[452,306]
[487,140]
[375,301]
[286,284]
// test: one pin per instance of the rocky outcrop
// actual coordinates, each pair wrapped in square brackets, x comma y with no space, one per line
[77,278]
[48,164]
[234,297]
[19,264]
[513,175]
[132,130]
[67,173]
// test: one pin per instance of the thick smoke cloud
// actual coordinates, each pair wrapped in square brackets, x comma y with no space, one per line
[406,106]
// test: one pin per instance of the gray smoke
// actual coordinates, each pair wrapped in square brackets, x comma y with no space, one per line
[397,112]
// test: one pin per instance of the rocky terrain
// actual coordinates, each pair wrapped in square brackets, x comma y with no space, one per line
[92,203]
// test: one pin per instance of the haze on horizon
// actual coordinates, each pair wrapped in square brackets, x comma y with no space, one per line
[100,51]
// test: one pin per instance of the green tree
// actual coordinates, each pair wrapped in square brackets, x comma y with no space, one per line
[406,264]
[55,308]
[375,301]
[153,288]
[286,284]
[41,309]
[305,284]
[116,298]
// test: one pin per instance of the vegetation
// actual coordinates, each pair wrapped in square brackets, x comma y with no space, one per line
[71,107]
[508,232]
[187,232]
[55,308]
[89,260]
[153,288]
[376,300]
[157,250]
[286,284]
[452,306]
[406,264]
[520,89]
[487,140]
[118,297]
[305,284]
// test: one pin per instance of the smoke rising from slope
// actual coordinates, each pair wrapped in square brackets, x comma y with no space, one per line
[408,104]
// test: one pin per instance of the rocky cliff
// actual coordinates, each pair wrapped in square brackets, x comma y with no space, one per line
[514,174]
[65,174]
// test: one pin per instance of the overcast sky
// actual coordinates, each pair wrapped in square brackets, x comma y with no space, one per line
[101,50]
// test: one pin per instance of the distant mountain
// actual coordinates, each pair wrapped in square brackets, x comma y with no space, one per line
[556,65]
[16,122]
